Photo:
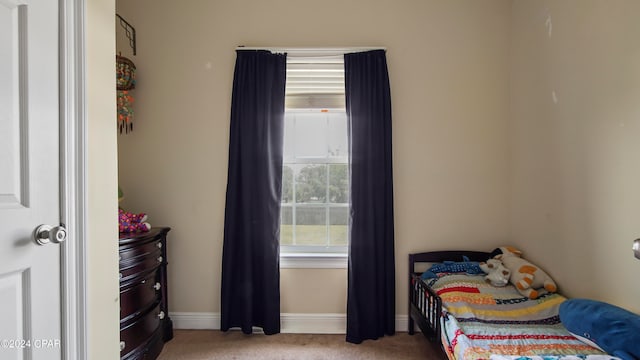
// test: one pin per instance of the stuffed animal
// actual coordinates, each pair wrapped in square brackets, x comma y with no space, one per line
[526,277]
[608,327]
[497,274]
[130,222]
[465,266]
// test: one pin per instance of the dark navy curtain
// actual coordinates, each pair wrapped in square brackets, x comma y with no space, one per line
[251,253]
[371,273]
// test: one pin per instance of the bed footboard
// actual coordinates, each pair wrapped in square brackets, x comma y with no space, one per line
[425,307]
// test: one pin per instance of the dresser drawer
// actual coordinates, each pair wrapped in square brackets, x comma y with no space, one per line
[139,250]
[139,331]
[138,295]
[147,351]
[140,265]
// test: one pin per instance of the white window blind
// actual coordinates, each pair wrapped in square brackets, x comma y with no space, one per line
[315,82]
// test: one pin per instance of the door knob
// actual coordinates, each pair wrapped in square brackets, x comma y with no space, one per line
[45,234]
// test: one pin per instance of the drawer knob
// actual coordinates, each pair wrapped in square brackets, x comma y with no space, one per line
[122,345]
[161,315]
[159,245]
[159,259]
[157,286]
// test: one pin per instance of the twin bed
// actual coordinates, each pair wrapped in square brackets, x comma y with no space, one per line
[475,320]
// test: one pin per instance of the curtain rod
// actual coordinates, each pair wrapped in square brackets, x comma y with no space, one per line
[319,51]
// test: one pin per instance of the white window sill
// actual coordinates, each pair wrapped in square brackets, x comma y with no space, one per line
[313,261]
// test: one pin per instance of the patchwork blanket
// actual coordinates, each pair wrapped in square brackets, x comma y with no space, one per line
[481,321]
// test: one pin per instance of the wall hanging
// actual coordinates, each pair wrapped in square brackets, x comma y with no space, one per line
[125,81]
[130,32]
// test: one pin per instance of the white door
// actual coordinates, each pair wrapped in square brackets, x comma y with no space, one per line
[30,304]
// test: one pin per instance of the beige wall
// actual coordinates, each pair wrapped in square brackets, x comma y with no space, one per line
[575,111]
[507,127]
[102,247]
[448,63]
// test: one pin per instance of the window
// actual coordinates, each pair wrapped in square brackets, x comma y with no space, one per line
[315,178]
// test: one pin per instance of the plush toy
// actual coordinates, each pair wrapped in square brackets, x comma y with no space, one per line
[465,266]
[608,327]
[130,222]
[526,277]
[497,274]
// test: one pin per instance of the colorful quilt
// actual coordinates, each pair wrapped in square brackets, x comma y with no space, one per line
[481,321]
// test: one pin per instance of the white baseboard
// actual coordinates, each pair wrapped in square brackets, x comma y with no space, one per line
[195,320]
[290,322]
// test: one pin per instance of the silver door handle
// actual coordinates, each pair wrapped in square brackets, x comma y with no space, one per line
[45,234]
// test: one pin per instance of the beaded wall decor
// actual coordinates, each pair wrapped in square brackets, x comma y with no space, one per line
[125,73]
[125,81]
[125,111]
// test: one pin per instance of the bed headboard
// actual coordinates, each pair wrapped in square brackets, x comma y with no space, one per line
[440,256]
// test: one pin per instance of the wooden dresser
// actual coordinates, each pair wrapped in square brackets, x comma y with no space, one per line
[144,317]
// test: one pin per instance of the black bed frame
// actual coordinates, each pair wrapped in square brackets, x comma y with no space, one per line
[425,306]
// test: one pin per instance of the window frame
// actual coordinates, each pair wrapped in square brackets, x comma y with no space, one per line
[314,256]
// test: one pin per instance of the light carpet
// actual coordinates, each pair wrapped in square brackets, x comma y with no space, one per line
[212,344]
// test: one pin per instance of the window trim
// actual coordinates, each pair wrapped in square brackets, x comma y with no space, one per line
[315,260]
[317,79]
